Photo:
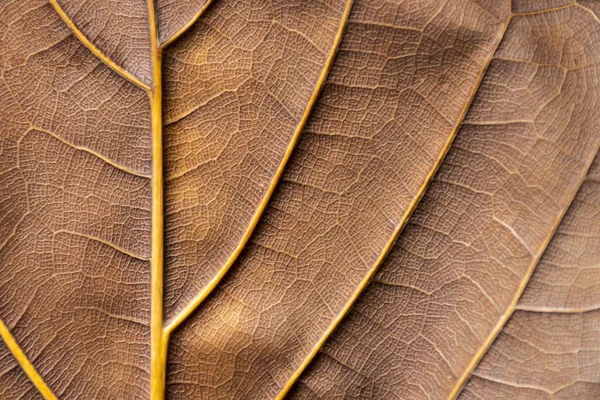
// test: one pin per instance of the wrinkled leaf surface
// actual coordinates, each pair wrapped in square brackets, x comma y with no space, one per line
[255,199]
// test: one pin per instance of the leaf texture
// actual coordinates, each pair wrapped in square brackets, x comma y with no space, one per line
[349,188]
[14,382]
[175,16]
[75,227]
[549,348]
[450,282]
[237,89]
[119,30]
[217,199]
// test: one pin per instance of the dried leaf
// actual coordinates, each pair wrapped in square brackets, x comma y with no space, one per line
[198,199]
[549,349]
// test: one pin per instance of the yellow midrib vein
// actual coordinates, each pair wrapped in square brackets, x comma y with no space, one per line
[157,348]
[158,338]
[159,341]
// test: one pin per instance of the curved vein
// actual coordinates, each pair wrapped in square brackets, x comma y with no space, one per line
[513,304]
[507,314]
[97,52]
[25,364]
[94,153]
[187,26]
[70,144]
[105,242]
[364,283]
[207,290]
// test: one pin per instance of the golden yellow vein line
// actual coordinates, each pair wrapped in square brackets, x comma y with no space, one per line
[187,26]
[90,151]
[158,351]
[25,364]
[512,306]
[589,10]
[363,285]
[91,47]
[203,294]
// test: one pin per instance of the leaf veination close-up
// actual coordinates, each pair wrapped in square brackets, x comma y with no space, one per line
[374,199]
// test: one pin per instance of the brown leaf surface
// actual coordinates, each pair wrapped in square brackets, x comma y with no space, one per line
[450,281]
[77,160]
[237,88]
[381,126]
[174,16]
[119,29]
[75,228]
[14,383]
[550,348]
[142,142]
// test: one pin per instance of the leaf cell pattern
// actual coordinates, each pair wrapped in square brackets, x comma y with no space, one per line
[378,199]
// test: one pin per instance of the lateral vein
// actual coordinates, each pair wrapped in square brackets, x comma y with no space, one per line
[96,51]
[187,26]
[364,283]
[90,151]
[512,306]
[557,310]
[105,242]
[25,364]
[214,282]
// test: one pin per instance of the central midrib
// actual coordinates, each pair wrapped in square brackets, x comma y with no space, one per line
[158,352]
[159,331]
